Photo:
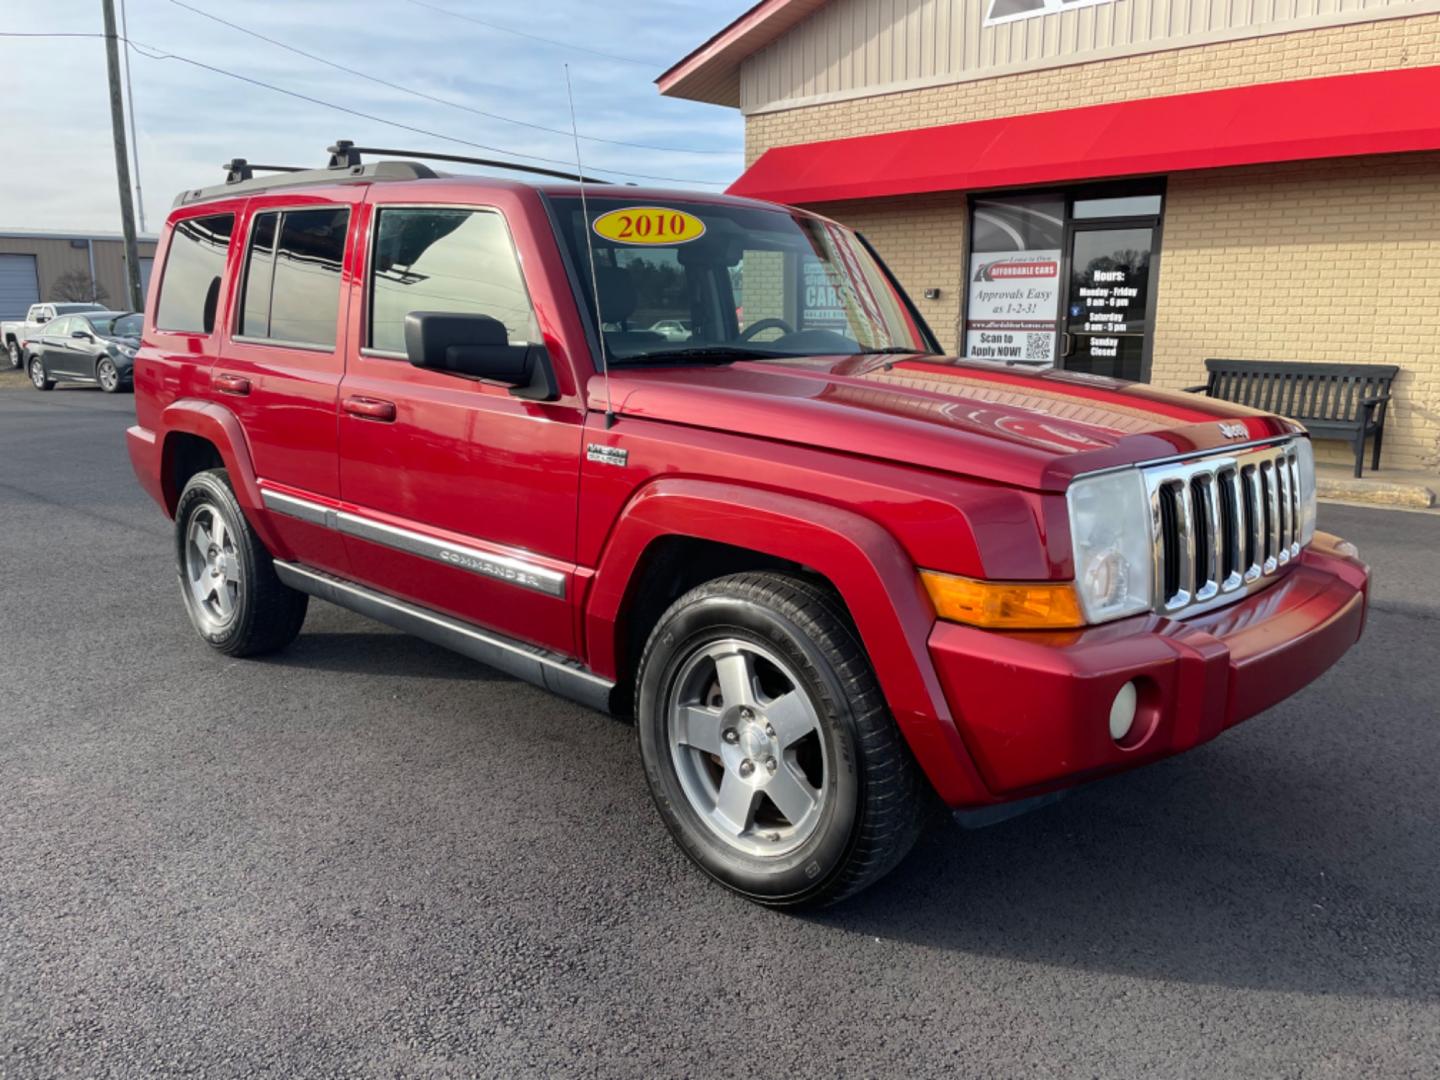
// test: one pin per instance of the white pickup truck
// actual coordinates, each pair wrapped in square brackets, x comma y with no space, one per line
[15,334]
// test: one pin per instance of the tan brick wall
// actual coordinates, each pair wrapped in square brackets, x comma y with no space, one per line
[1338,260]
[922,240]
[1377,46]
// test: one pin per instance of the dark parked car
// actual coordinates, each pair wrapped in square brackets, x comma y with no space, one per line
[97,347]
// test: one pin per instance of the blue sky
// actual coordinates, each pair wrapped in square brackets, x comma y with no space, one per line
[57,166]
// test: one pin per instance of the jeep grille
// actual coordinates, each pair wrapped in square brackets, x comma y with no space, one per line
[1222,525]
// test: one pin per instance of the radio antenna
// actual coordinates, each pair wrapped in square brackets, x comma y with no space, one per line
[590,250]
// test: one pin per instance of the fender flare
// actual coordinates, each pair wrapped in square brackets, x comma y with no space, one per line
[220,427]
[863,561]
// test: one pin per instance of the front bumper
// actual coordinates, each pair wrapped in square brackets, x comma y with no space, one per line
[1033,708]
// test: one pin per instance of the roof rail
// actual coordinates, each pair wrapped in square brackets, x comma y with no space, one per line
[345,153]
[292,177]
[345,164]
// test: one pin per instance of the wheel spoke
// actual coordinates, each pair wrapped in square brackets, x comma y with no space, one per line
[699,727]
[791,716]
[202,538]
[223,600]
[217,531]
[737,679]
[735,806]
[791,795]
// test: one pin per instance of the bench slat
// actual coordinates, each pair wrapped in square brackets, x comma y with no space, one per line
[1325,397]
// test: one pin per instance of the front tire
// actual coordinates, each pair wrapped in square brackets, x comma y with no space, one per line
[227,578]
[108,376]
[767,744]
[38,378]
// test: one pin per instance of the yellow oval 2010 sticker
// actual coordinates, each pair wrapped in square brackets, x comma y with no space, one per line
[649,225]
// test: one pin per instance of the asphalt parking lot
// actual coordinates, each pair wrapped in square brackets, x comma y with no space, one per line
[369,857]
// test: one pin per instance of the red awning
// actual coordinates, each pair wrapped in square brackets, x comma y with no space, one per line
[1380,112]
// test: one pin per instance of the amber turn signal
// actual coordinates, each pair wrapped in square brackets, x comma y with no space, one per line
[1004,605]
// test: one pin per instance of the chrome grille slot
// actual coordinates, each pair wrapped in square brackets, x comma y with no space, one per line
[1222,524]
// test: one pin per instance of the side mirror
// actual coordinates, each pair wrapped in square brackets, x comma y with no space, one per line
[477,346]
[81,335]
[41,320]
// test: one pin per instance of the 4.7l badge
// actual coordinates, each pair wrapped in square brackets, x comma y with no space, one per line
[1234,431]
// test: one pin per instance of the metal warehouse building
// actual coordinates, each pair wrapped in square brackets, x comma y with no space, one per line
[32,262]
[1122,187]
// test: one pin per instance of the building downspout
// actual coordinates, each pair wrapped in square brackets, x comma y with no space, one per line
[94,285]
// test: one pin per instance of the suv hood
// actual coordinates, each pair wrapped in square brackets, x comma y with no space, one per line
[1031,429]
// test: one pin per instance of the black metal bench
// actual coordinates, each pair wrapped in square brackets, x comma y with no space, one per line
[1345,401]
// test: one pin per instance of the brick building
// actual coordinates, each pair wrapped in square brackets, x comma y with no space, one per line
[33,261]
[1124,187]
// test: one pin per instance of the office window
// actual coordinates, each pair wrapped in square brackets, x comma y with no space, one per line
[190,286]
[444,259]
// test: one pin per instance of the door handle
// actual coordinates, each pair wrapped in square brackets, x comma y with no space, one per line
[370,408]
[231,384]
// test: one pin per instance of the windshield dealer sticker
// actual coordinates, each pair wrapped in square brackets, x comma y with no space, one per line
[649,225]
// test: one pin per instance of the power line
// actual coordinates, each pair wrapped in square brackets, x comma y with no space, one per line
[532,37]
[431,97]
[151,52]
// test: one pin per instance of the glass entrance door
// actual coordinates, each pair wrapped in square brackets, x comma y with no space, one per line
[1108,310]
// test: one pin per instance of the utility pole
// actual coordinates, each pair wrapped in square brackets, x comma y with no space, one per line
[122,159]
[130,108]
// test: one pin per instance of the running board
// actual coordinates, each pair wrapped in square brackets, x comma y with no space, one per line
[543,668]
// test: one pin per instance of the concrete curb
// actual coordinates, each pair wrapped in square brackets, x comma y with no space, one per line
[1412,495]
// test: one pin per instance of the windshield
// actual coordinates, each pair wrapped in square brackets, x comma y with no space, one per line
[118,325]
[694,281]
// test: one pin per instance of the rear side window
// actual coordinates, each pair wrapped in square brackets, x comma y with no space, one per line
[292,276]
[449,259]
[58,328]
[259,274]
[190,285]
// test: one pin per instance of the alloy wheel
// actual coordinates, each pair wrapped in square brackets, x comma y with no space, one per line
[37,373]
[108,376]
[212,567]
[747,747]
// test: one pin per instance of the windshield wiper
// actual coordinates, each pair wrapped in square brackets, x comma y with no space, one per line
[723,353]
[897,350]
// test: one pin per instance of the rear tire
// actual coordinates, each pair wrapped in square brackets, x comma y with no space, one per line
[227,578]
[777,768]
[17,358]
[38,378]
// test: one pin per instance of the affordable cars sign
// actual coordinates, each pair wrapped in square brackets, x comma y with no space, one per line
[1013,302]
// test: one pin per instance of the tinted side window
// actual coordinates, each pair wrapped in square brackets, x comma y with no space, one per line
[259,272]
[446,259]
[190,286]
[305,294]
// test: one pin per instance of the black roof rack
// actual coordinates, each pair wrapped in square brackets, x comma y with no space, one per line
[345,164]
[381,170]
[345,153]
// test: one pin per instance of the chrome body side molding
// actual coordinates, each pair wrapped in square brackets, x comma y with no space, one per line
[535,665]
[519,572]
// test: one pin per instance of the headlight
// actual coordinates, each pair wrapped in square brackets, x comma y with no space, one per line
[1110,532]
[1305,459]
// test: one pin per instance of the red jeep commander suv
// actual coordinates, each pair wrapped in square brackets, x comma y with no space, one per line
[832,574]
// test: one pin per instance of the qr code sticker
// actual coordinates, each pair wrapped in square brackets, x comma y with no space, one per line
[1037,347]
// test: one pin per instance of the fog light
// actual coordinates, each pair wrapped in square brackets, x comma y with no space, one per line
[1122,712]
